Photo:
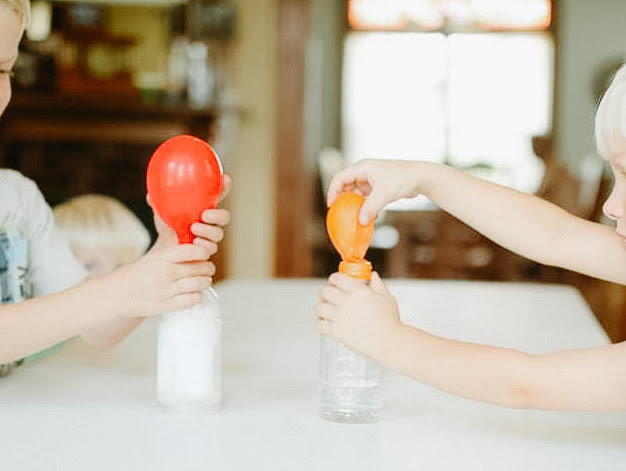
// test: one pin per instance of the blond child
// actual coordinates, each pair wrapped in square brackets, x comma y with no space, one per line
[103,234]
[36,262]
[366,318]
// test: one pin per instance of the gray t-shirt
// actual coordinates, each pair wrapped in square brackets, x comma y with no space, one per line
[35,259]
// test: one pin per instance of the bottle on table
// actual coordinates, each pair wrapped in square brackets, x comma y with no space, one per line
[184,178]
[351,384]
[189,358]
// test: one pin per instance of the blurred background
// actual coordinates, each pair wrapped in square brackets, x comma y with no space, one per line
[290,91]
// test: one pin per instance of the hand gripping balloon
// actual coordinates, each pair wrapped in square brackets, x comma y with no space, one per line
[350,238]
[184,178]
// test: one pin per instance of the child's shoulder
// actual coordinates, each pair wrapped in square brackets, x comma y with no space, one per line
[14,185]
[19,197]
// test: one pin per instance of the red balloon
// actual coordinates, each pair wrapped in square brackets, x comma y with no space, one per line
[184,178]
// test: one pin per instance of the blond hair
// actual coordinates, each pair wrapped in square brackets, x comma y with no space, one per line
[611,118]
[21,8]
[101,222]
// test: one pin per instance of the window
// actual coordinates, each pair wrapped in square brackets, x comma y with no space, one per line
[436,14]
[452,82]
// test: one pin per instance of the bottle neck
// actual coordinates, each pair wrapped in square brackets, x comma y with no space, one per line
[361,270]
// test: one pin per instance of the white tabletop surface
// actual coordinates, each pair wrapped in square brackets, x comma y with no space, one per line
[85,410]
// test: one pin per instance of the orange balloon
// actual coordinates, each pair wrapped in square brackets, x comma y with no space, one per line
[350,238]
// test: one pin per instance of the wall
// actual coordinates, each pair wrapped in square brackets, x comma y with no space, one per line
[250,242]
[323,78]
[251,159]
[592,33]
[150,26]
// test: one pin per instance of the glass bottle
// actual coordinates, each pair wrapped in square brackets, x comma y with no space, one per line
[189,373]
[351,384]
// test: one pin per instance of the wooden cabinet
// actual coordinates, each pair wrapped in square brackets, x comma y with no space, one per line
[72,146]
[434,244]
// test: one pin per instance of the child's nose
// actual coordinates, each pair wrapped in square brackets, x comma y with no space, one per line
[612,207]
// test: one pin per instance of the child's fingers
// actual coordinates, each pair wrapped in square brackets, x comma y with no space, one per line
[377,284]
[358,191]
[364,187]
[372,206]
[186,270]
[332,295]
[324,327]
[347,176]
[184,300]
[219,217]
[187,253]
[210,246]
[206,231]
[192,285]
[324,311]
[155,214]
[344,282]
[349,187]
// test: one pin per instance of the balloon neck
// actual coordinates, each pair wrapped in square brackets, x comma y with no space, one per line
[352,255]
[185,237]
[361,270]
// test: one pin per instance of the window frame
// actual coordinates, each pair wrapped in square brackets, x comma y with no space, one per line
[552,30]
[446,30]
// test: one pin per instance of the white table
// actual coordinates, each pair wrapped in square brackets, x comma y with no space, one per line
[84,410]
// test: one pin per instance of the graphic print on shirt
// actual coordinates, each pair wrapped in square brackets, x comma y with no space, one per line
[14,285]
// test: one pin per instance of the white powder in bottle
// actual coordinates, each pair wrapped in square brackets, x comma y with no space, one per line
[189,358]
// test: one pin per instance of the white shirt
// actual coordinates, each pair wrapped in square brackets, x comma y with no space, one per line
[35,259]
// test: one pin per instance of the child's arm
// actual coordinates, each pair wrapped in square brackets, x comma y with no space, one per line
[586,379]
[164,280]
[209,232]
[366,319]
[523,223]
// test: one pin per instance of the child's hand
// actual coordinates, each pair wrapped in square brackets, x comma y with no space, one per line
[162,280]
[382,181]
[208,233]
[365,318]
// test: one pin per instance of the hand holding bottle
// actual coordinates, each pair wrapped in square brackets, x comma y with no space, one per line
[363,317]
[162,280]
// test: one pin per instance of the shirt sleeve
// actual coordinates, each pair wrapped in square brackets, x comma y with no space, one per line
[52,267]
